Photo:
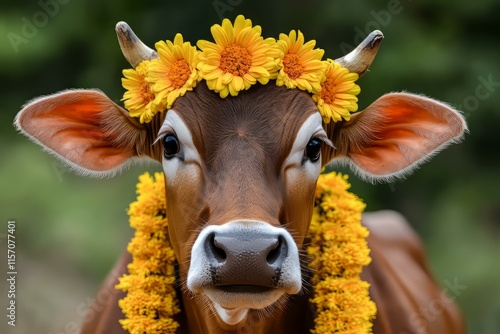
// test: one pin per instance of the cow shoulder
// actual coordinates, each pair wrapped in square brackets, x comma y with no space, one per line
[408,298]
[103,315]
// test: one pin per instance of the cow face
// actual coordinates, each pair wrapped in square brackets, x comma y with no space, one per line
[241,171]
[240,180]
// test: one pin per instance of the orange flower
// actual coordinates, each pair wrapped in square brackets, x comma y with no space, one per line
[337,98]
[175,72]
[238,59]
[139,95]
[300,65]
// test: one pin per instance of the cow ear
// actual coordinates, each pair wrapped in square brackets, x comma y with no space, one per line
[395,134]
[84,128]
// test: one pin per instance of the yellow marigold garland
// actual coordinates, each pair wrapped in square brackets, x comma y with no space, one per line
[338,251]
[238,58]
[151,301]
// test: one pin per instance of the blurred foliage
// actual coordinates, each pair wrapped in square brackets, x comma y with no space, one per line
[71,229]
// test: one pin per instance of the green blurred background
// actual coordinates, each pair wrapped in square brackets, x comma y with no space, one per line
[71,229]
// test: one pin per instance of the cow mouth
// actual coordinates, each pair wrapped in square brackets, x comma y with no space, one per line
[243,296]
[244,288]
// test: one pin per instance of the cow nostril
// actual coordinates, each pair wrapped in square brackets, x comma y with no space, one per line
[218,253]
[275,252]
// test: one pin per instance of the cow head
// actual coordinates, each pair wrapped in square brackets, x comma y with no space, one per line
[241,171]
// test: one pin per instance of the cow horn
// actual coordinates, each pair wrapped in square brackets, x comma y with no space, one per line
[360,59]
[132,47]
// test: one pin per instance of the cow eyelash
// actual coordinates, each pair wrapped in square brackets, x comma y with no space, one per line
[170,141]
[162,134]
[312,151]
[325,140]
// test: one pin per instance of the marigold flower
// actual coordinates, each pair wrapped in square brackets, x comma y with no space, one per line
[300,65]
[175,72]
[337,98]
[139,95]
[238,59]
[151,302]
[339,251]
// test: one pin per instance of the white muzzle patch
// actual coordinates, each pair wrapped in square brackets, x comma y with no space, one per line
[232,306]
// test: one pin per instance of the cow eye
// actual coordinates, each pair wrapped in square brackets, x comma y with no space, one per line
[170,146]
[313,149]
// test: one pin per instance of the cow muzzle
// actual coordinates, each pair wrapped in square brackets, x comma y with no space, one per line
[244,264]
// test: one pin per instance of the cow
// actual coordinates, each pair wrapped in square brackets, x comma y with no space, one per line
[245,167]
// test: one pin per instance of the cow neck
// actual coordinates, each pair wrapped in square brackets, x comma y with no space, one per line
[337,253]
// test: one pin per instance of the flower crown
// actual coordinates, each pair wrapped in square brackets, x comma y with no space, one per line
[239,58]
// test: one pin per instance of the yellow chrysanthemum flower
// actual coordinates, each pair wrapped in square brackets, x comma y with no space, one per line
[337,98]
[151,301]
[238,59]
[339,252]
[175,72]
[139,95]
[300,65]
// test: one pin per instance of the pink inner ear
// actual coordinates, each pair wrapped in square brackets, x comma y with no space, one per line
[75,125]
[400,130]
